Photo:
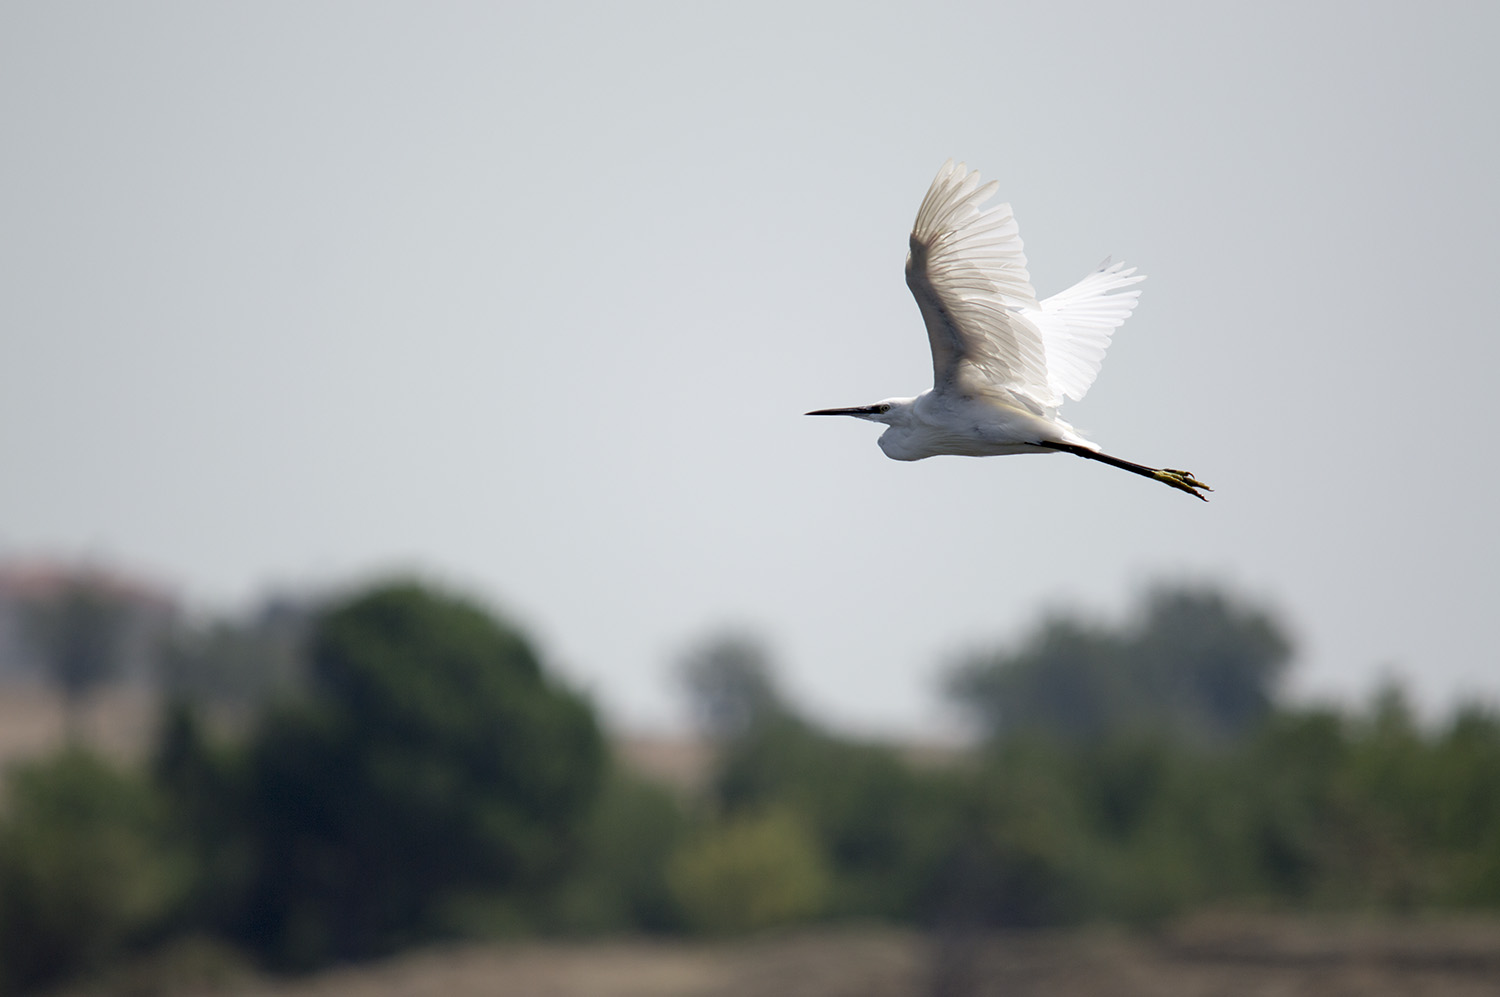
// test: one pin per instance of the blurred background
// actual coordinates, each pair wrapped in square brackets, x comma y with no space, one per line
[409,533]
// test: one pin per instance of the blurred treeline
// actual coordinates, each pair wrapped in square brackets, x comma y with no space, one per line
[409,771]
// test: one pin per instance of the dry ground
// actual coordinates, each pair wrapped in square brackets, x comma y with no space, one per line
[1207,957]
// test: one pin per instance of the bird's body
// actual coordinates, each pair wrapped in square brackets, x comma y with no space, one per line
[1003,362]
[982,424]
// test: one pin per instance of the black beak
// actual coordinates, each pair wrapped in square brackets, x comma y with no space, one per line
[856,410]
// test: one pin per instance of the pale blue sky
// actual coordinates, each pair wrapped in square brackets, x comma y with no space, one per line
[532,298]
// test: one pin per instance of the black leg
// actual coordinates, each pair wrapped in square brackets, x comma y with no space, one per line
[1181,480]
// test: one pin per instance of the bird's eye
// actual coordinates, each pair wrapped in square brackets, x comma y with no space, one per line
[883,408]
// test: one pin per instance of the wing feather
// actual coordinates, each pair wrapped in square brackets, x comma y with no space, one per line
[1076,325]
[967,270]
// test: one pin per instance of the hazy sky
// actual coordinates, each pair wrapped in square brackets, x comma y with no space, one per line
[532,298]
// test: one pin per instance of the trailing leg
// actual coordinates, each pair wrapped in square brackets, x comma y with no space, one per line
[1181,480]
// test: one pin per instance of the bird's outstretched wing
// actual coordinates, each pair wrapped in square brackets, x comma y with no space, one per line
[1076,325]
[967,271]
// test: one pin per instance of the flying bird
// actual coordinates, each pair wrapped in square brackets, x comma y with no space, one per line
[1002,361]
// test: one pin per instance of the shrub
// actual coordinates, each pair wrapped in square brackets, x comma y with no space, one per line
[749,873]
[85,870]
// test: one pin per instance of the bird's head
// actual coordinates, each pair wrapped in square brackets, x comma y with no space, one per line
[890,411]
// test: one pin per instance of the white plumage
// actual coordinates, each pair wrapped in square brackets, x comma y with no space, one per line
[1076,325]
[1002,362]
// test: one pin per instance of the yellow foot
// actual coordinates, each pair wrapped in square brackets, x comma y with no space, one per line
[1183,481]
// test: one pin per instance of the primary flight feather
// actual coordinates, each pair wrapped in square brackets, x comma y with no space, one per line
[1002,361]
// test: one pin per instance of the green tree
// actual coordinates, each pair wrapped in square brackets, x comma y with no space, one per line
[730,686]
[86,870]
[432,760]
[203,783]
[1214,661]
[1465,816]
[1016,851]
[1194,663]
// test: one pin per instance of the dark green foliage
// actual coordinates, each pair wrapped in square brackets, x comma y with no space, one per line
[619,882]
[431,758]
[209,823]
[1196,791]
[1212,661]
[1195,663]
[86,868]
[1465,814]
[869,811]
[1011,853]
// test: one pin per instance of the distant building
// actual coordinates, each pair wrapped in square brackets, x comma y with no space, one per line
[27,585]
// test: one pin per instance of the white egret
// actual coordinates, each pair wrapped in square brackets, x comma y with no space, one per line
[1002,362]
